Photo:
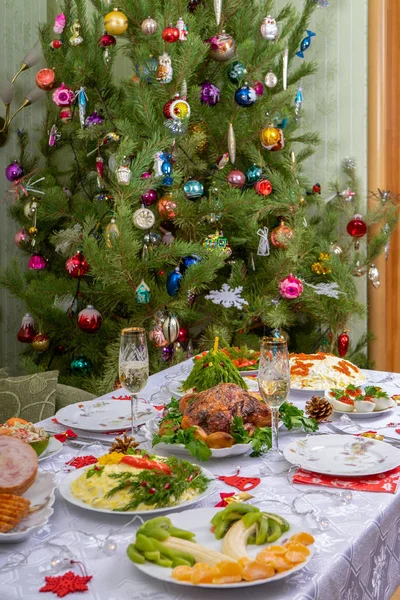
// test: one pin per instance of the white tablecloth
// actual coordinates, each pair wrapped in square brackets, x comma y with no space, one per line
[356,558]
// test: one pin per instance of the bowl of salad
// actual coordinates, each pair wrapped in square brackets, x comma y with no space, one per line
[355,400]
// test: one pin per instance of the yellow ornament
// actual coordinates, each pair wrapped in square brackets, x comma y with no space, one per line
[112,233]
[324,256]
[33,231]
[272,138]
[115,22]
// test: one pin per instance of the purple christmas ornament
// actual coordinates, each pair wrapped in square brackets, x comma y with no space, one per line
[149,197]
[14,171]
[259,88]
[167,352]
[209,94]
[37,262]
[94,119]
[145,175]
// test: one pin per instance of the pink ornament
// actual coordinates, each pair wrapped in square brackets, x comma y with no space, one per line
[290,287]
[22,238]
[145,175]
[89,319]
[65,114]
[37,262]
[63,96]
[149,197]
[236,178]
[258,88]
[59,23]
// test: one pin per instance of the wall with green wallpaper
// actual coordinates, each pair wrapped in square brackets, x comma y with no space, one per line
[335,104]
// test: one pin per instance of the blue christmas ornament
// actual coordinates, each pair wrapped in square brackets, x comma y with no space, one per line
[193,189]
[236,71]
[146,72]
[188,261]
[166,168]
[174,282]
[81,365]
[282,124]
[253,174]
[245,95]
[82,101]
[305,43]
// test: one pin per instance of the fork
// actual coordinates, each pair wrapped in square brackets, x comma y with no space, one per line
[388,439]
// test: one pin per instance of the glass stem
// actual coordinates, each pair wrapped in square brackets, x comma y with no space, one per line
[134,415]
[275,425]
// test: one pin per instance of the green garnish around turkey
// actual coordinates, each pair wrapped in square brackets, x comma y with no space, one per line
[157,488]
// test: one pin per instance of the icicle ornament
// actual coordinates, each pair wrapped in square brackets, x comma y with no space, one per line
[82,102]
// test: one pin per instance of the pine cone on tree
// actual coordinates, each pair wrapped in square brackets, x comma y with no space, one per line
[123,444]
[318,408]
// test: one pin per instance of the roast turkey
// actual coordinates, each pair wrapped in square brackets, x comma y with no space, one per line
[214,409]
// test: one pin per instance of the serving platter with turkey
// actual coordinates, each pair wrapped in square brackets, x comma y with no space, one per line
[224,420]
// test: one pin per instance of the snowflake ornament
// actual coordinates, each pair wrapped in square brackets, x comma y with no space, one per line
[66,584]
[227,296]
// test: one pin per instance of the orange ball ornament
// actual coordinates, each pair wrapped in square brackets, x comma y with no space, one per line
[263,187]
[115,22]
[281,235]
[45,79]
[167,207]
[272,138]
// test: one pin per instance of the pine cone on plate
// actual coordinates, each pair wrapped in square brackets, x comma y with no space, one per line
[123,444]
[318,408]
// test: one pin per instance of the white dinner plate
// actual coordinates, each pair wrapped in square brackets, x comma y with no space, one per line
[198,521]
[53,448]
[66,493]
[104,415]
[342,455]
[41,495]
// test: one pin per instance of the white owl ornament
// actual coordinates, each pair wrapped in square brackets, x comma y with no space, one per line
[269,28]
[164,70]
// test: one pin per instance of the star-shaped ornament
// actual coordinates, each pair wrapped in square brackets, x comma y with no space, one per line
[66,584]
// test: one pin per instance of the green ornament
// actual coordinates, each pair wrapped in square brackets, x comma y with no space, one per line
[81,365]
[253,174]
[236,71]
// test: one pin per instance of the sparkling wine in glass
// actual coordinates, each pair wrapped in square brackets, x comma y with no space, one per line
[133,367]
[274,384]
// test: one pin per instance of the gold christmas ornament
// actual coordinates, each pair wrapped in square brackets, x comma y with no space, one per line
[115,22]
[318,408]
[40,343]
[272,138]
[111,233]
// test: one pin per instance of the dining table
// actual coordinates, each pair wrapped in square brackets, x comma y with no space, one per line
[356,551]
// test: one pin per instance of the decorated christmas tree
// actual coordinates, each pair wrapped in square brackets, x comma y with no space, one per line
[176,200]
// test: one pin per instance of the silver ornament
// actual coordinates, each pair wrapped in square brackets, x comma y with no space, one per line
[373,276]
[269,28]
[231,144]
[349,164]
[270,79]
[358,271]
[143,218]
[112,163]
[170,328]
[30,209]
[335,249]
[124,175]
[176,127]
[218,10]
[149,26]
[152,239]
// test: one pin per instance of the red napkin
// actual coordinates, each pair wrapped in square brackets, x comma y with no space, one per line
[224,495]
[62,437]
[384,482]
[244,484]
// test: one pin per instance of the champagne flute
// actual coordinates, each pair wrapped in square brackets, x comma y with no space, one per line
[274,384]
[133,367]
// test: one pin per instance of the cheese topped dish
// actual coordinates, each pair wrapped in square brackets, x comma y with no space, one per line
[322,371]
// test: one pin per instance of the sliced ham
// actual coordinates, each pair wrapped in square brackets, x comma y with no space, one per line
[18,465]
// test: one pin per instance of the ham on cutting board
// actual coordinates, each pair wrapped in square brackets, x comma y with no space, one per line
[18,465]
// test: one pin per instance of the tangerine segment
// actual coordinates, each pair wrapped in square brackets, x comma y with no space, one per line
[245,560]
[228,568]
[298,548]
[203,573]
[182,573]
[280,564]
[302,538]
[277,550]
[257,570]
[265,556]
[294,556]
[227,579]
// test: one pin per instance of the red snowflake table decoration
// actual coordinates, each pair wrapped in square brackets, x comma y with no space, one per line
[66,584]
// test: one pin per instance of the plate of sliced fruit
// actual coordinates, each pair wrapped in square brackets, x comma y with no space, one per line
[368,402]
[238,546]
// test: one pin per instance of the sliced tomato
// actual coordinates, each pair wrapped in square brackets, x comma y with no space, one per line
[138,462]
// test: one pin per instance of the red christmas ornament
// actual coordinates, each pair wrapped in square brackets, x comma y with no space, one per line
[263,187]
[41,343]
[316,188]
[89,319]
[55,44]
[45,79]
[77,266]
[281,235]
[290,287]
[343,343]
[66,584]
[65,114]
[107,40]
[170,34]
[183,334]
[27,331]
[357,227]
[60,349]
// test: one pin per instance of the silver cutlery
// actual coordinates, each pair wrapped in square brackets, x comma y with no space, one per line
[334,429]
